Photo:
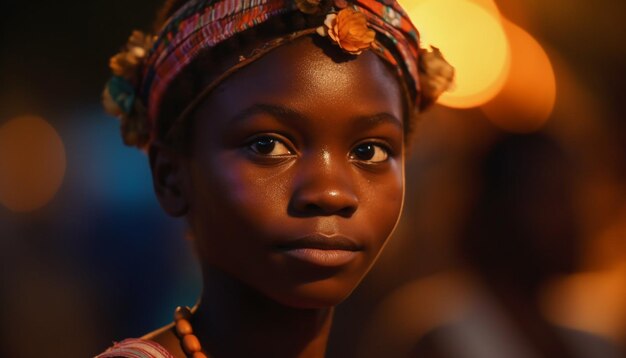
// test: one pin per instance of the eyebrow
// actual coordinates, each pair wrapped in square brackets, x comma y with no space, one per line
[283,113]
[279,112]
[366,122]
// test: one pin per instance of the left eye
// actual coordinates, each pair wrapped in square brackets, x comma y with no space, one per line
[269,146]
[370,152]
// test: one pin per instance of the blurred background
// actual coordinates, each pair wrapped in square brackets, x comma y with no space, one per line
[513,240]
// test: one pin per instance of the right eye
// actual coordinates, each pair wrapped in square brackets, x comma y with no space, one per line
[269,146]
[370,153]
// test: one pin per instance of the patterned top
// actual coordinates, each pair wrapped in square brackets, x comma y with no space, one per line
[135,348]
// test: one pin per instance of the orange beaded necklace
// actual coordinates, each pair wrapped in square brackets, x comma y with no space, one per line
[188,341]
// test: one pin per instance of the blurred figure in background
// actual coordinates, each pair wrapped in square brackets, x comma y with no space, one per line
[521,233]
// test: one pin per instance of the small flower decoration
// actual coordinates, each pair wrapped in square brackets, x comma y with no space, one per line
[436,74]
[127,63]
[119,94]
[348,28]
[119,97]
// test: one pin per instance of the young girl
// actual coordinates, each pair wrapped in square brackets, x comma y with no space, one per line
[277,129]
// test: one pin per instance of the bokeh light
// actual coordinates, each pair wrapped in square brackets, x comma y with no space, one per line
[32,163]
[489,5]
[529,94]
[472,39]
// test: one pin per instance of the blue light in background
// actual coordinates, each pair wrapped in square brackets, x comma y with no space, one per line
[102,166]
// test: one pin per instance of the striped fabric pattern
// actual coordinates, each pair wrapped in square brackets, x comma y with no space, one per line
[135,348]
[194,28]
[202,24]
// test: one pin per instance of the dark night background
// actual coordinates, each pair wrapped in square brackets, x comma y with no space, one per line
[101,262]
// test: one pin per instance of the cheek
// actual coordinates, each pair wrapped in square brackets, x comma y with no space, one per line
[384,199]
[237,199]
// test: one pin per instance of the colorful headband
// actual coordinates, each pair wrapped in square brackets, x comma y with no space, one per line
[148,65]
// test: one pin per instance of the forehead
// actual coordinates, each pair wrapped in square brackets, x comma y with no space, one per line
[313,78]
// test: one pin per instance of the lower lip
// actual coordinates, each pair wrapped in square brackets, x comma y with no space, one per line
[326,258]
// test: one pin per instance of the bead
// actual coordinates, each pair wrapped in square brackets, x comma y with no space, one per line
[191,344]
[183,328]
[182,312]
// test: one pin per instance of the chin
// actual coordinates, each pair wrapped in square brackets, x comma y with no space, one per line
[314,295]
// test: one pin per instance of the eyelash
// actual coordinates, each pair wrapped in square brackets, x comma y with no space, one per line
[272,140]
[386,151]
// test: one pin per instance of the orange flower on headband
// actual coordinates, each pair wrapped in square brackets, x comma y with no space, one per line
[309,6]
[349,30]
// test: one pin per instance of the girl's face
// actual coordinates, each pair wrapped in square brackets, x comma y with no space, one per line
[296,176]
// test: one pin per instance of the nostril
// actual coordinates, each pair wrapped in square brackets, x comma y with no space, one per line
[323,204]
[312,209]
[324,193]
[348,211]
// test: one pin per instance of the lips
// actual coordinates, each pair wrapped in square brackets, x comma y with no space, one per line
[321,242]
[321,250]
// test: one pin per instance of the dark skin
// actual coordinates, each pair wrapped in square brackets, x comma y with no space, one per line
[294,148]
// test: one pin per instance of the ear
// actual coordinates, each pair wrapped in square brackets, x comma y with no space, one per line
[169,176]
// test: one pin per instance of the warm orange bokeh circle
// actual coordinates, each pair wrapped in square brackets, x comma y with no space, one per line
[32,163]
[472,39]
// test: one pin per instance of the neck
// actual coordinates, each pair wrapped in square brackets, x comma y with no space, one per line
[233,320]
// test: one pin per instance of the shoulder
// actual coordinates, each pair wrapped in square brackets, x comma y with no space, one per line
[166,337]
[136,348]
[162,343]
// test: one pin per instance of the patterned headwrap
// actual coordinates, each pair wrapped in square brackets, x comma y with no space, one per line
[148,64]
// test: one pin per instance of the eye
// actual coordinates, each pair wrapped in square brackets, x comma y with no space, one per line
[269,146]
[370,152]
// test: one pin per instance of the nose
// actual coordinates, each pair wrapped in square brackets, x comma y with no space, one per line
[324,186]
